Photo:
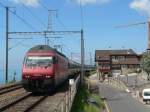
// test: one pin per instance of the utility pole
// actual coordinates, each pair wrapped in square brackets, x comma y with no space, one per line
[71,55]
[7,30]
[148,49]
[90,58]
[82,56]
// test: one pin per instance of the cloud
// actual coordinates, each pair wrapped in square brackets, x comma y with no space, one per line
[85,2]
[31,3]
[142,6]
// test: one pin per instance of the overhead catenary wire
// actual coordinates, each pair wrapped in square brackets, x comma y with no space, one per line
[18,43]
[2,5]
[49,27]
[34,15]
[57,17]
[19,17]
[23,20]
[61,23]
[43,5]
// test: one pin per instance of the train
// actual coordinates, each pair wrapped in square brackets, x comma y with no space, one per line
[44,68]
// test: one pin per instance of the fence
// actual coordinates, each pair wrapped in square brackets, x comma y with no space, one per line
[66,102]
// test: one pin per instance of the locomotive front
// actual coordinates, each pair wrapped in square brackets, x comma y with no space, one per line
[38,70]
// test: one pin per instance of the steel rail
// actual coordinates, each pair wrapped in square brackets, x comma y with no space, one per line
[32,106]
[6,90]
[9,86]
[15,102]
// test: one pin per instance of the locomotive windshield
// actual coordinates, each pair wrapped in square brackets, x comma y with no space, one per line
[146,93]
[39,61]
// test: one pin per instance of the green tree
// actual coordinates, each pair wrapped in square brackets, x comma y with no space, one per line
[145,62]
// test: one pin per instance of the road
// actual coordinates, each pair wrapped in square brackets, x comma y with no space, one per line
[121,101]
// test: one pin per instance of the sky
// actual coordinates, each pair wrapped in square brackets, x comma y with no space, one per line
[100,18]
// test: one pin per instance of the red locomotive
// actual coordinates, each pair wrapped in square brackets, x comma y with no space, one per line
[44,68]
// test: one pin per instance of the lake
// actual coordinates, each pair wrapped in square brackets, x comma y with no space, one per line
[10,75]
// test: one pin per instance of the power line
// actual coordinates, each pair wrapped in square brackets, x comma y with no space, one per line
[34,15]
[45,7]
[2,5]
[50,17]
[23,20]
[59,20]
[61,23]
[18,43]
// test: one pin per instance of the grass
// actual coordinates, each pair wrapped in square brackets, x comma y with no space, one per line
[81,105]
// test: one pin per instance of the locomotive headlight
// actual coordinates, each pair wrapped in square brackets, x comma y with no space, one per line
[47,76]
[27,76]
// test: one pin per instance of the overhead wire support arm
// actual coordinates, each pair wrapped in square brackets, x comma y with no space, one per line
[45,32]
[19,38]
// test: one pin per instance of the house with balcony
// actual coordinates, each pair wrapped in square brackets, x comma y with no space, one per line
[115,60]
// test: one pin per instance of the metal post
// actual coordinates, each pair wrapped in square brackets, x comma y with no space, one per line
[90,58]
[82,56]
[148,49]
[7,30]
[45,37]
[61,49]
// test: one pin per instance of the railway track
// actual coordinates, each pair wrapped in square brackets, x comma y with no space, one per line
[7,89]
[23,104]
[12,94]
[28,102]
[33,103]
[9,86]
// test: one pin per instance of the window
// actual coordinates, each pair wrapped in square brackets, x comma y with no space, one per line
[146,93]
[38,61]
[121,58]
[124,66]
[118,58]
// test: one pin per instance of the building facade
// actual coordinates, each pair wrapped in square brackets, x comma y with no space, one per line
[112,60]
